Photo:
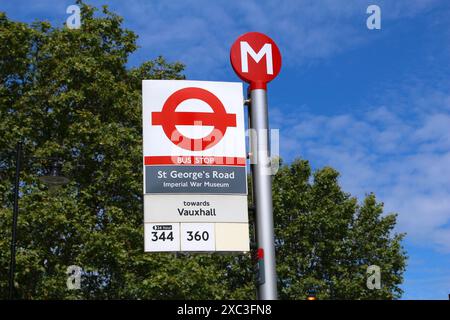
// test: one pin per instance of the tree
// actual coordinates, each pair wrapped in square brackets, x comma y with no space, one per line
[325,240]
[69,94]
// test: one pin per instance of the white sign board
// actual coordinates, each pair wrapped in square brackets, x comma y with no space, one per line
[162,236]
[198,237]
[194,162]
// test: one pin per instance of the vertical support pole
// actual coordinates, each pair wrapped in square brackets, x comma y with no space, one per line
[12,264]
[262,193]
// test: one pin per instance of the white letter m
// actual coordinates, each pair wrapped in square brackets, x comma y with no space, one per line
[247,50]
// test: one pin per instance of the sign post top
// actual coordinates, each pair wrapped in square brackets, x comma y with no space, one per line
[256,59]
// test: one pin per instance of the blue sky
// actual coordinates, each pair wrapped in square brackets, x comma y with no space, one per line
[375,104]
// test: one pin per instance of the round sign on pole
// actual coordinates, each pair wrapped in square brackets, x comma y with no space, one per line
[256,59]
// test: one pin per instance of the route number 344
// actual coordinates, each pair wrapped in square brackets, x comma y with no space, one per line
[163,236]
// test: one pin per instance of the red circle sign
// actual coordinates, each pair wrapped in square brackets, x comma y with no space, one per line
[169,118]
[256,59]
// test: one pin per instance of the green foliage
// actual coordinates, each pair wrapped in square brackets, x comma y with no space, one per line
[326,241]
[69,94]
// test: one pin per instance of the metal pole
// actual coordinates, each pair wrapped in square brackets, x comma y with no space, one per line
[12,264]
[262,192]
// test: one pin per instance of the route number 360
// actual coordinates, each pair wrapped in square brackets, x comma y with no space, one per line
[197,236]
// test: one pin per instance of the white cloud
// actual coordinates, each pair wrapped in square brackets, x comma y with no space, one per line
[200,32]
[405,161]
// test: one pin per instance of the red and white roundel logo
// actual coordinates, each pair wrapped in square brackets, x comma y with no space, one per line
[256,59]
[193,122]
[169,118]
